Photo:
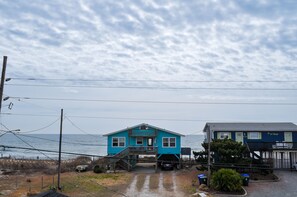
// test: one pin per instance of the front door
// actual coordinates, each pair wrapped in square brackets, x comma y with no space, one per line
[150,143]
[239,137]
[288,137]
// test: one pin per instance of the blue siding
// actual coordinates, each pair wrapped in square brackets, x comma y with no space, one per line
[168,150]
[157,136]
[294,136]
[114,150]
[266,136]
[272,136]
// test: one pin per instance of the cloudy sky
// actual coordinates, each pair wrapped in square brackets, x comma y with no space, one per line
[172,64]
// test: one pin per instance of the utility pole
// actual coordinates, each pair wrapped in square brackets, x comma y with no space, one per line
[208,157]
[60,144]
[2,80]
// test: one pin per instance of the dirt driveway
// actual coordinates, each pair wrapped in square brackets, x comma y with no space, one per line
[159,184]
[148,183]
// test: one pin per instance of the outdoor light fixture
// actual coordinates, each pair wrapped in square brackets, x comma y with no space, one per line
[6,98]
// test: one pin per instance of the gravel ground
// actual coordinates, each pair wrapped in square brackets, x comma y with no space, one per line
[286,187]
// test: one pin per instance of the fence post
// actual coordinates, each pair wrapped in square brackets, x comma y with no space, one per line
[16,182]
[41,182]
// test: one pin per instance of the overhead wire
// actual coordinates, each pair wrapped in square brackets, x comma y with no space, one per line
[153,101]
[126,118]
[230,165]
[25,141]
[153,80]
[42,128]
[154,87]
[78,128]
[63,142]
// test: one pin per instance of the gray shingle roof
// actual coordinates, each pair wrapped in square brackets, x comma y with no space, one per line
[267,126]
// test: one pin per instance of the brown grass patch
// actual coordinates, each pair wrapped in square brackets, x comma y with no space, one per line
[154,181]
[168,181]
[187,180]
[74,184]
[140,181]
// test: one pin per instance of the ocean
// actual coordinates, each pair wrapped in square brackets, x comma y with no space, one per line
[72,143]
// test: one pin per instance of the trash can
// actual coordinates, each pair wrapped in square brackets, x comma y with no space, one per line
[245,179]
[202,179]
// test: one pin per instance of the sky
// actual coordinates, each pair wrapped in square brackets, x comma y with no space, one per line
[171,64]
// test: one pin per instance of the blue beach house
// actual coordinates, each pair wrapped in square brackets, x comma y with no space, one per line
[274,140]
[125,146]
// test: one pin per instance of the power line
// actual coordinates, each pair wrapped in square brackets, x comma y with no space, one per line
[78,128]
[152,102]
[64,142]
[47,126]
[38,115]
[230,165]
[25,142]
[154,87]
[152,80]
[126,118]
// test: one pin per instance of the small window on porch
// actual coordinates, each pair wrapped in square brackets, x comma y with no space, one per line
[139,141]
[224,135]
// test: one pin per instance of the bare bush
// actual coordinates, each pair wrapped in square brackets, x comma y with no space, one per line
[70,165]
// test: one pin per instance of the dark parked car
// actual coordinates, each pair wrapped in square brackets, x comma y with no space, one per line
[167,166]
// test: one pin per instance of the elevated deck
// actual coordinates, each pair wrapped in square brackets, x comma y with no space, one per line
[270,146]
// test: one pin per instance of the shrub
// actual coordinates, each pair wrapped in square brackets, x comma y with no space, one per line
[227,180]
[98,169]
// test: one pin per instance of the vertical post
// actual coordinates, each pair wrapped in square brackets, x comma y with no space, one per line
[16,182]
[208,157]
[2,80]
[156,164]
[290,155]
[41,182]
[60,144]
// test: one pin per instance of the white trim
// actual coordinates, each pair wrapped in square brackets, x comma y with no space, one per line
[141,140]
[169,142]
[239,137]
[118,141]
[288,137]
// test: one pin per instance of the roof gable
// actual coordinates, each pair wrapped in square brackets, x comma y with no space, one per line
[144,125]
[252,126]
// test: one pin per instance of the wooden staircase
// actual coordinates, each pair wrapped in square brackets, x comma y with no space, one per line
[121,160]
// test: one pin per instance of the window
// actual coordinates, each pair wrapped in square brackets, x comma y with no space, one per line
[172,142]
[254,135]
[118,141]
[143,127]
[139,141]
[169,142]
[224,135]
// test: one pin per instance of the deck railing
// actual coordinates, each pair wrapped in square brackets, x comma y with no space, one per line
[271,145]
[143,149]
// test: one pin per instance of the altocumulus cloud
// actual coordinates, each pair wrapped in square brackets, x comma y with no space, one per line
[168,39]
[151,39]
